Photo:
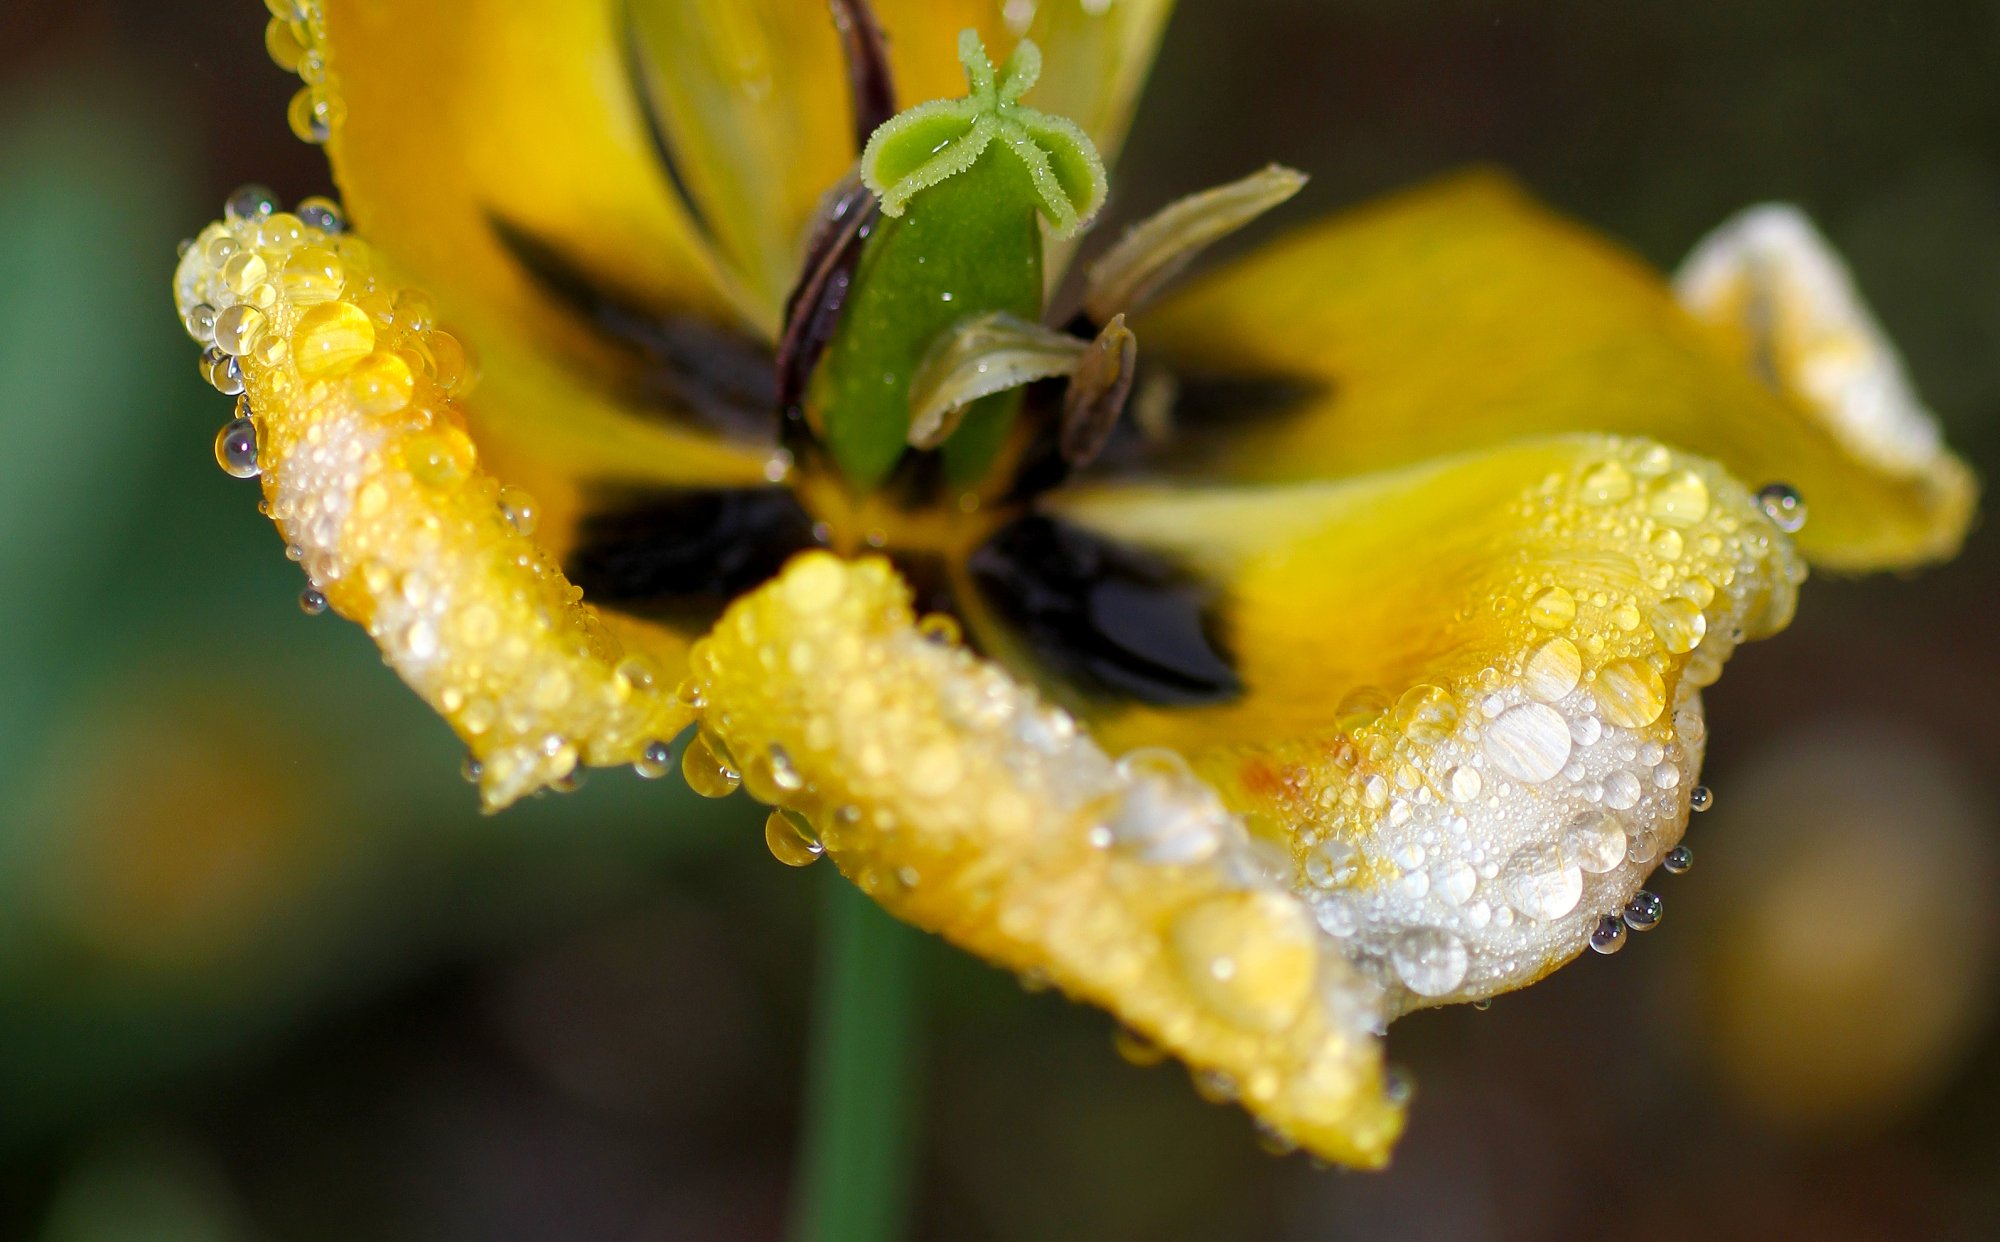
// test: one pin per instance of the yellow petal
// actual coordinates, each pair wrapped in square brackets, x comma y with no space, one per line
[1463,315]
[1527,630]
[459,133]
[374,482]
[752,97]
[1470,713]
[966,806]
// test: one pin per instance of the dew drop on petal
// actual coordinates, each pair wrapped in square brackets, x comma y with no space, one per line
[1595,842]
[1782,503]
[1529,742]
[789,842]
[1679,624]
[312,602]
[1553,670]
[654,760]
[1678,860]
[1678,499]
[1553,609]
[706,773]
[1249,956]
[1609,935]
[1631,693]
[1700,798]
[236,449]
[1539,883]
[1429,960]
[1644,911]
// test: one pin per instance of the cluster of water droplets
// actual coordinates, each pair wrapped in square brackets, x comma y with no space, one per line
[965,803]
[1471,834]
[295,38]
[347,394]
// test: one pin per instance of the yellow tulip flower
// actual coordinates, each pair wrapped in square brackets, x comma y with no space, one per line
[1259,657]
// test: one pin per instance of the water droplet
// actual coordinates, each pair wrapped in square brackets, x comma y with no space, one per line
[1643,912]
[1428,714]
[470,769]
[1678,499]
[1429,960]
[200,323]
[1553,609]
[1483,1004]
[1782,503]
[1621,790]
[706,773]
[1136,1049]
[1165,814]
[1331,861]
[1529,742]
[1678,860]
[1631,693]
[1679,624]
[251,203]
[236,449]
[654,760]
[1608,936]
[1455,881]
[330,338]
[1464,783]
[1606,483]
[790,842]
[520,510]
[1553,670]
[312,602]
[1250,956]
[1540,883]
[1700,798]
[323,214]
[1667,544]
[1595,841]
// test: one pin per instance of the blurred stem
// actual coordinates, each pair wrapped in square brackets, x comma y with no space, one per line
[860,1133]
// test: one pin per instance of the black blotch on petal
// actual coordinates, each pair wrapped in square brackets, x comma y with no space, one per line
[680,555]
[688,368]
[1111,618]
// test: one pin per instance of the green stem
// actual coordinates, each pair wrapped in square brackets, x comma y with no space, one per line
[860,1134]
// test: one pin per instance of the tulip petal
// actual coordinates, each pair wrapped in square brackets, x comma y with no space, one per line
[370,475]
[1539,618]
[1470,708]
[963,804]
[1462,315]
[752,98]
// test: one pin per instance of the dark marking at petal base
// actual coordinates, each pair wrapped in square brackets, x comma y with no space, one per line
[718,379]
[1111,618]
[1205,413]
[680,555]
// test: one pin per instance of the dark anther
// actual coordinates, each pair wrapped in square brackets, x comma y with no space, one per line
[697,368]
[870,88]
[812,312]
[1109,617]
[1097,394]
[681,554]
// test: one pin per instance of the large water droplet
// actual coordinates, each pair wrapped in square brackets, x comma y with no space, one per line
[1166,814]
[1595,841]
[1679,860]
[1553,670]
[1609,934]
[1644,911]
[1678,499]
[1631,693]
[1331,861]
[1553,609]
[1429,960]
[1679,624]
[790,842]
[1782,503]
[1249,956]
[706,773]
[1700,798]
[1540,883]
[1529,742]
[654,760]
[236,449]
[1464,783]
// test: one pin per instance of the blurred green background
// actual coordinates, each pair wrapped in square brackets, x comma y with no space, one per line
[265,974]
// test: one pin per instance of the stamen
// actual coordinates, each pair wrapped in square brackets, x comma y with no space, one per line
[870,89]
[1097,393]
[977,358]
[1154,251]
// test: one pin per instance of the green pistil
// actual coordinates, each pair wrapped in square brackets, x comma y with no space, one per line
[962,183]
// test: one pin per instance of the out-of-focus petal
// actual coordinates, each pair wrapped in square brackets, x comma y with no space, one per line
[951,794]
[378,489]
[751,96]
[1463,314]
